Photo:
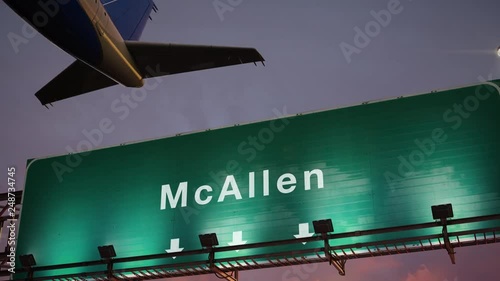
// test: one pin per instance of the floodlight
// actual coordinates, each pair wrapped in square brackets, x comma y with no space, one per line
[27,260]
[323,226]
[209,240]
[442,211]
[498,51]
[107,252]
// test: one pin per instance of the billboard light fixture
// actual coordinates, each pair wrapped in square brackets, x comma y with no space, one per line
[209,240]
[323,226]
[442,212]
[27,260]
[107,252]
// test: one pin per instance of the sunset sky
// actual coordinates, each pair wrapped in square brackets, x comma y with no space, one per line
[313,62]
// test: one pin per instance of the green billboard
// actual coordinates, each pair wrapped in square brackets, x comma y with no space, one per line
[374,165]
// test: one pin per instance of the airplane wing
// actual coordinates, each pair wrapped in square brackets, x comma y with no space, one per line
[155,59]
[76,79]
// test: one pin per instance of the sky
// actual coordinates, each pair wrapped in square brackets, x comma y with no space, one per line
[314,60]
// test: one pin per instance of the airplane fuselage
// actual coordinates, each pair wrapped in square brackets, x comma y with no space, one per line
[83,29]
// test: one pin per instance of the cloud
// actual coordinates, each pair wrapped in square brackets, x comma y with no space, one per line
[379,268]
[371,265]
[424,274]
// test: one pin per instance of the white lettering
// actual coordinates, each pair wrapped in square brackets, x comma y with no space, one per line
[197,195]
[307,178]
[230,182]
[203,195]
[181,192]
[265,188]
[286,179]
[251,185]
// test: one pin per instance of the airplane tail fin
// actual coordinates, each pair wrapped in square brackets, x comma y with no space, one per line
[130,16]
[152,60]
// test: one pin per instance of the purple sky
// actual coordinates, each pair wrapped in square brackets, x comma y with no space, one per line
[426,45]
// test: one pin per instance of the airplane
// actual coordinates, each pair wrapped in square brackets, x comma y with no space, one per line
[102,35]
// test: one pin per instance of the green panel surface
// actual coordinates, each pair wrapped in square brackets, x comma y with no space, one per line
[383,164]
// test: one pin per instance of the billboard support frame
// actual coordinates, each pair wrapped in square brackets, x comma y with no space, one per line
[219,273]
[334,259]
[311,255]
[447,243]
[31,273]
[109,269]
